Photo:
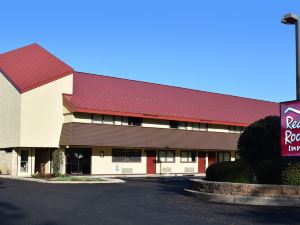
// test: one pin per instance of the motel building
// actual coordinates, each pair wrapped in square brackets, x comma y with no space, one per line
[112,126]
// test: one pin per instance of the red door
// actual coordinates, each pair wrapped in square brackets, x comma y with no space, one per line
[201,162]
[211,158]
[151,162]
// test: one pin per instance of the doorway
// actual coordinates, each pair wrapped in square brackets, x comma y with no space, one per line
[201,162]
[78,161]
[211,158]
[24,158]
[151,161]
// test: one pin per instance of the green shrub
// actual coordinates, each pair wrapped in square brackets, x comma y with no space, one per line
[57,161]
[291,175]
[237,172]
[269,172]
[261,141]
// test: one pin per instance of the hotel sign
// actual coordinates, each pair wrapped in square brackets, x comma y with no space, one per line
[290,128]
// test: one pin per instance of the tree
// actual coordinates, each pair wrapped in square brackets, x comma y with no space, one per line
[261,141]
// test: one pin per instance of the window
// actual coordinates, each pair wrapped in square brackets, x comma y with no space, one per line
[166,156]
[135,121]
[235,129]
[237,156]
[204,126]
[224,156]
[97,118]
[108,119]
[173,124]
[195,126]
[126,155]
[188,156]
[183,125]
[124,120]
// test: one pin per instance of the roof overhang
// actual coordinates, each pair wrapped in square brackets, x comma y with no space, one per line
[81,134]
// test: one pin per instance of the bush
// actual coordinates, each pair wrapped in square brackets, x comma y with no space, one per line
[237,172]
[269,172]
[57,162]
[261,141]
[291,175]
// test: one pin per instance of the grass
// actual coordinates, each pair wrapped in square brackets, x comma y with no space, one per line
[65,177]
[75,178]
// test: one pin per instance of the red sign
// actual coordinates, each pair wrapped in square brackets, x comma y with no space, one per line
[290,128]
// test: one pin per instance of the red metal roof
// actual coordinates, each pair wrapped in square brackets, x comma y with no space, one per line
[32,66]
[109,95]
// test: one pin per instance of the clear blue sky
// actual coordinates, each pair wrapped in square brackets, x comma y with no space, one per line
[232,47]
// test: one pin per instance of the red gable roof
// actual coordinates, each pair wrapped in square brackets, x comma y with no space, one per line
[108,95]
[32,66]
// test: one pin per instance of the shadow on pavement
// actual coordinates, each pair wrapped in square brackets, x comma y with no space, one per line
[10,214]
[267,215]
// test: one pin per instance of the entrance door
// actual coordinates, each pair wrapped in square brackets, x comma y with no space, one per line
[211,158]
[151,161]
[201,162]
[78,161]
[24,162]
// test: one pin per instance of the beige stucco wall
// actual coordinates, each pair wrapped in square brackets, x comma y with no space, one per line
[5,162]
[10,114]
[106,166]
[42,113]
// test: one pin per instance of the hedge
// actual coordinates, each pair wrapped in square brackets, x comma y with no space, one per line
[236,171]
[269,172]
[291,175]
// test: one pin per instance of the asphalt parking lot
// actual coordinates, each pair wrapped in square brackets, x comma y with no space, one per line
[139,201]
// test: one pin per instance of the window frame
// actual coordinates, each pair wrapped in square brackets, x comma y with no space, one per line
[223,156]
[166,151]
[172,122]
[125,155]
[132,121]
[190,156]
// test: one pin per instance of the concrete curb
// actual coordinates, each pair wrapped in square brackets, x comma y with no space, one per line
[243,200]
[105,180]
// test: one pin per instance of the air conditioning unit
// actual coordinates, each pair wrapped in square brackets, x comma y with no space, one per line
[189,169]
[166,170]
[127,170]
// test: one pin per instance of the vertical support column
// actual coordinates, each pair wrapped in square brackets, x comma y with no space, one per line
[206,160]
[32,155]
[14,162]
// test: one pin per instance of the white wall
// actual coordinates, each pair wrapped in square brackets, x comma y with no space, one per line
[42,113]
[10,114]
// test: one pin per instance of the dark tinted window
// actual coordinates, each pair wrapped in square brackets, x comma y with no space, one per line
[126,155]
[135,121]
[174,124]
